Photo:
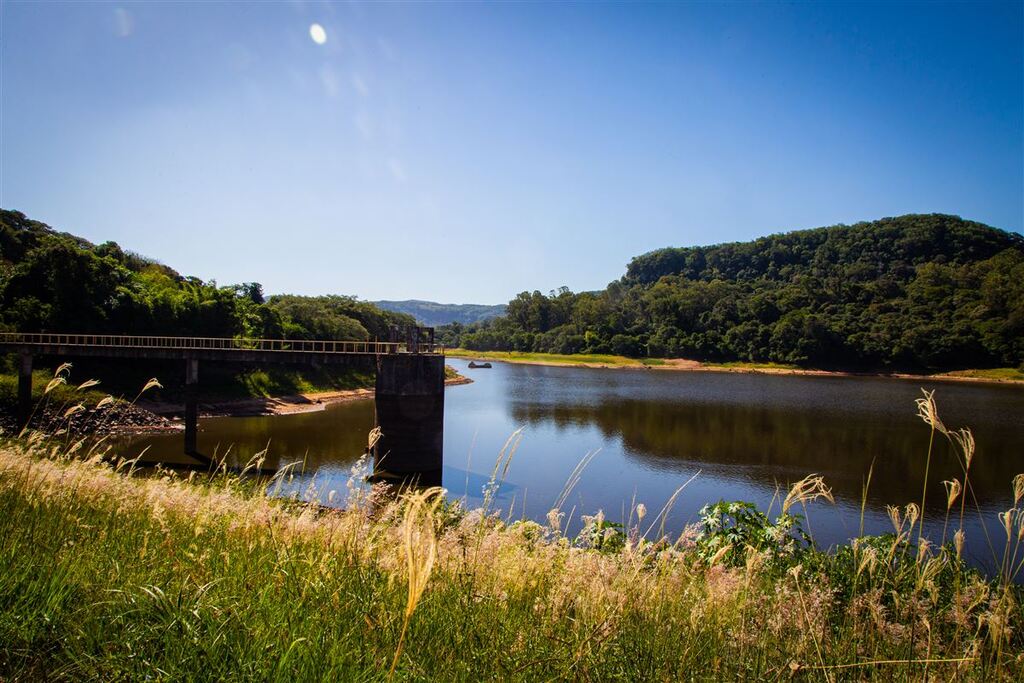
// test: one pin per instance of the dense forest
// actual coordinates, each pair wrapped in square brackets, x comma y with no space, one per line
[57,282]
[914,292]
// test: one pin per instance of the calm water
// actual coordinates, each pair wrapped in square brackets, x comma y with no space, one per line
[744,436]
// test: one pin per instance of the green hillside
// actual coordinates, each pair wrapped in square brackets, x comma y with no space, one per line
[56,282]
[52,281]
[915,292]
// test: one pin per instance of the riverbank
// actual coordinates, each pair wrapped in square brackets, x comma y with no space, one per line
[993,376]
[207,578]
[82,410]
[276,405]
[60,405]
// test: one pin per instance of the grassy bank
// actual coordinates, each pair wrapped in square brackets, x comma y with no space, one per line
[994,374]
[582,359]
[220,381]
[281,381]
[746,365]
[609,361]
[60,403]
[61,393]
[112,576]
[231,391]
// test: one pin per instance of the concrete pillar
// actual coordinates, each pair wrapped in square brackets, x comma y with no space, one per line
[410,414]
[191,405]
[24,390]
[412,337]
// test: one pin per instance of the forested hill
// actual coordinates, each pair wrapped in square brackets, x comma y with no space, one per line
[912,292]
[57,282]
[865,252]
[434,314]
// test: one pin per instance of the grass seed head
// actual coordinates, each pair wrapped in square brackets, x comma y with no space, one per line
[1007,519]
[913,513]
[868,561]
[554,520]
[420,541]
[923,550]
[54,383]
[419,537]
[372,438]
[965,440]
[151,384]
[807,489]
[896,517]
[952,492]
[929,412]
[719,555]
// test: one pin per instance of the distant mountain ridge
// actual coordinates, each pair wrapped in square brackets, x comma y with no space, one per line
[433,314]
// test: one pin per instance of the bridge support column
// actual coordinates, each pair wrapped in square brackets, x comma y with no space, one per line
[410,414]
[24,390]
[191,405]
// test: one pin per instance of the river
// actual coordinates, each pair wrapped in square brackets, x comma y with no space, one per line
[744,436]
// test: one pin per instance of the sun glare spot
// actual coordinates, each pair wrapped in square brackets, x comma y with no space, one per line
[318,34]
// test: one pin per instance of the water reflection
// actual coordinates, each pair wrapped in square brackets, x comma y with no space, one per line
[770,444]
[746,435]
[330,439]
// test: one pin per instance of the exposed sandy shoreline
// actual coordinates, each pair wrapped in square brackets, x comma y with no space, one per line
[277,405]
[684,365]
[316,401]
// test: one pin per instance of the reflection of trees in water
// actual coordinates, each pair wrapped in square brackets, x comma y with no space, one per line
[768,444]
[335,436]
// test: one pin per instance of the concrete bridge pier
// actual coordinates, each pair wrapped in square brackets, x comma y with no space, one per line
[410,414]
[24,390]
[191,406]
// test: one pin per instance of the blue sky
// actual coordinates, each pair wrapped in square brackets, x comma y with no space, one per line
[464,152]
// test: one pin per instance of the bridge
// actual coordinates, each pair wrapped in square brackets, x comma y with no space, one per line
[409,391]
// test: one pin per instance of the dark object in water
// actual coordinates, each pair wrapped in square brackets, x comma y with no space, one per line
[473,365]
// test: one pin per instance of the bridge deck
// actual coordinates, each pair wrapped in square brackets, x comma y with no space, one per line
[205,348]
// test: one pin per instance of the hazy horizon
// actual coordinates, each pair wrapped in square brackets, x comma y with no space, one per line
[467,152]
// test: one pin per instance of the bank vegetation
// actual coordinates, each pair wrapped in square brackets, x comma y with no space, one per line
[915,293]
[109,573]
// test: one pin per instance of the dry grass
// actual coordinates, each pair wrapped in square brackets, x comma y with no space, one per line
[112,575]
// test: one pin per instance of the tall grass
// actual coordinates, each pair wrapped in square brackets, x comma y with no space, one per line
[110,574]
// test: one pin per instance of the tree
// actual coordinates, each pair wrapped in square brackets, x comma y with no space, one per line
[915,292]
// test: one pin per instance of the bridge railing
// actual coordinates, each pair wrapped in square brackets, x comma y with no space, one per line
[211,343]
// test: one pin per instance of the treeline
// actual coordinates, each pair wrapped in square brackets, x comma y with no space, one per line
[57,282]
[912,292]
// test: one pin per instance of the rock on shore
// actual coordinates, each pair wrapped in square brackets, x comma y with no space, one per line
[119,417]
